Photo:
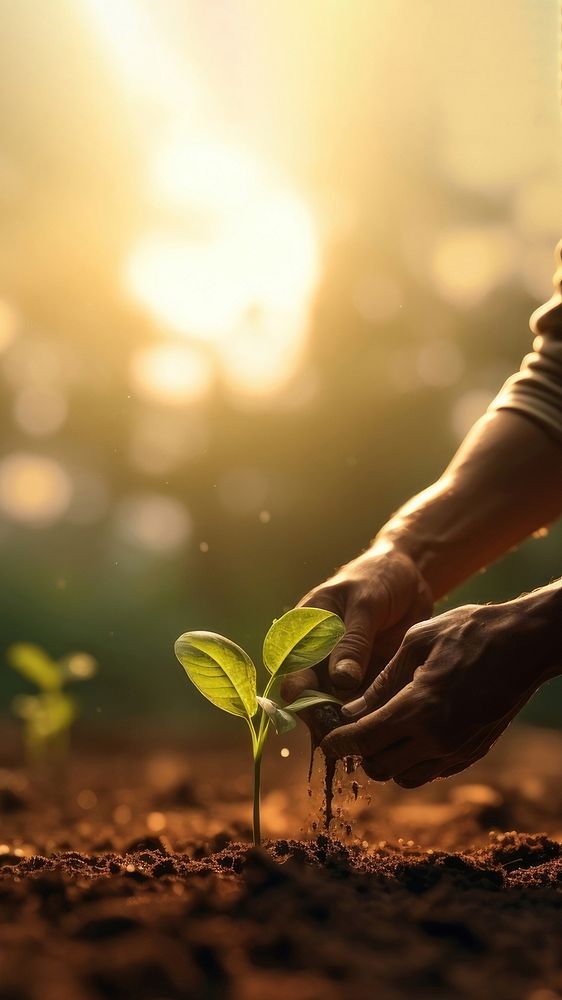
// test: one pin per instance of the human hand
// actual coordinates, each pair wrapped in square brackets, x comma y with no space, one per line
[378,596]
[451,689]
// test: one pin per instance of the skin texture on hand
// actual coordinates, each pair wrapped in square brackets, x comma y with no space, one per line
[504,482]
[379,596]
[451,689]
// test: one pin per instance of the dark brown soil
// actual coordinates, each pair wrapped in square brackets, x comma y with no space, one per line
[127,878]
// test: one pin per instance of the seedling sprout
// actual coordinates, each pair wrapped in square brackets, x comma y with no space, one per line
[226,676]
[47,715]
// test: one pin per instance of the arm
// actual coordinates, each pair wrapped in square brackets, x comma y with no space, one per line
[504,483]
[506,479]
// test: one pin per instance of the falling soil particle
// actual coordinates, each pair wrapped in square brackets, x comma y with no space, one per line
[329,773]
[322,720]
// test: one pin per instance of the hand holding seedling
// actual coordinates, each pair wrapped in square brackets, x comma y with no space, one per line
[226,675]
[49,714]
[450,698]
[454,685]
[379,596]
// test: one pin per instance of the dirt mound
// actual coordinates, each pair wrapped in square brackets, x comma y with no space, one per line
[108,894]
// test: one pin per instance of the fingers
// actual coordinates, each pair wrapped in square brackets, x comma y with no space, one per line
[386,732]
[327,598]
[419,774]
[395,676]
[391,761]
[378,731]
[349,662]
[461,765]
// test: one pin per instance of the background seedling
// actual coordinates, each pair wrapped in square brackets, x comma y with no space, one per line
[226,676]
[48,715]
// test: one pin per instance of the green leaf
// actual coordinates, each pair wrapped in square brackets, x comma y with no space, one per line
[35,665]
[310,698]
[281,719]
[301,638]
[220,670]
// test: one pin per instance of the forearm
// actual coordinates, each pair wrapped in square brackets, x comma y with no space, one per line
[504,483]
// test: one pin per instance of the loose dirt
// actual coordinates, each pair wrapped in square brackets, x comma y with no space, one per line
[128,877]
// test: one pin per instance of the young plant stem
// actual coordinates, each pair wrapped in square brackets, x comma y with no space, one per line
[256,826]
[258,745]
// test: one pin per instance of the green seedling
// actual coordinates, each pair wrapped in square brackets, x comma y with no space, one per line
[47,715]
[226,675]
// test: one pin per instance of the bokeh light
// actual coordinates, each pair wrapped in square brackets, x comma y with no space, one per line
[39,411]
[173,374]
[34,490]
[81,665]
[440,363]
[243,490]
[8,324]
[469,261]
[468,408]
[152,521]
[160,442]
[376,296]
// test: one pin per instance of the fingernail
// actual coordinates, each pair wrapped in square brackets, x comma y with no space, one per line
[356,707]
[347,673]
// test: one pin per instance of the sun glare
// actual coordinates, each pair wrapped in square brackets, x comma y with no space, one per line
[245,285]
[237,267]
[264,259]
[141,51]
[174,374]
[205,176]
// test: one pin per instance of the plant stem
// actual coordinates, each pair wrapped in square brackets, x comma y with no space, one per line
[257,796]
[269,685]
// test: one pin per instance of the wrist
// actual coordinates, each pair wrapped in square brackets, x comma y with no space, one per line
[540,614]
[385,546]
[409,542]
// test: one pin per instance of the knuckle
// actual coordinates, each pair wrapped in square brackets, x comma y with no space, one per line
[363,600]
[354,641]
[383,687]
[327,597]
[379,686]
[415,633]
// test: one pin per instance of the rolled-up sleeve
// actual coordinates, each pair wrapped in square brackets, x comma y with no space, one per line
[536,389]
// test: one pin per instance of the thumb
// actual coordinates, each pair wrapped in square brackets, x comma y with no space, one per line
[395,676]
[349,662]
